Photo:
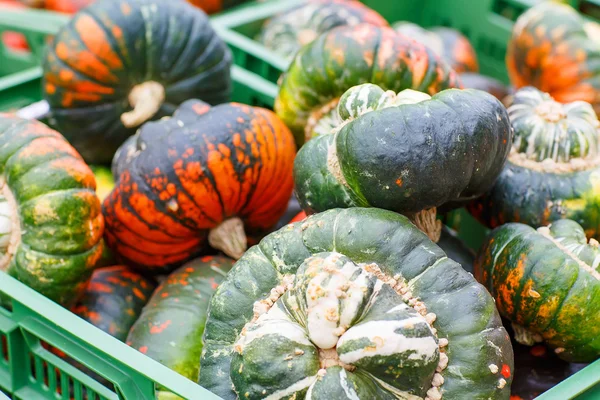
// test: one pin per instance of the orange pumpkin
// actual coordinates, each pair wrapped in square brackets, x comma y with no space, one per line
[67,6]
[204,176]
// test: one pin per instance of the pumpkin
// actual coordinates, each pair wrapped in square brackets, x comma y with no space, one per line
[51,223]
[347,56]
[481,82]
[299,217]
[356,304]
[204,175]
[553,170]
[451,45]
[120,63]
[556,50]
[114,299]
[66,6]
[546,282]
[286,33]
[213,6]
[170,328]
[410,153]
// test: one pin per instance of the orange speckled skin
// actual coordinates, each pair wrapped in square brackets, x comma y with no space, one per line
[60,216]
[179,178]
[458,51]
[67,6]
[555,50]
[348,56]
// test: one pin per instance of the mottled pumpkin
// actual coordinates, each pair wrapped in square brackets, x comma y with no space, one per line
[119,63]
[353,304]
[213,6]
[206,175]
[51,223]
[66,6]
[347,56]
[451,45]
[481,82]
[114,299]
[553,170]
[410,153]
[554,49]
[170,328]
[546,282]
[286,33]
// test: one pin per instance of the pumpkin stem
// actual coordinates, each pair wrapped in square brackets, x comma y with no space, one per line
[426,221]
[330,358]
[10,226]
[146,99]
[524,336]
[229,237]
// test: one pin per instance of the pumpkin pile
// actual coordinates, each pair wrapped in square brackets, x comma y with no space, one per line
[191,248]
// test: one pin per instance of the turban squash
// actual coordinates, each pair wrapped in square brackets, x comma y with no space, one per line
[204,175]
[120,63]
[353,304]
[51,223]
[348,56]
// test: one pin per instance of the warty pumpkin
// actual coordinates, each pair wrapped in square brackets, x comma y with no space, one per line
[204,175]
[553,170]
[286,33]
[353,304]
[170,328]
[407,152]
[120,63]
[554,49]
[449,44]
[347,56]
[547,283]
[51,223]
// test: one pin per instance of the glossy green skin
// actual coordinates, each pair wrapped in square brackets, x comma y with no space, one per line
[538,198]
[564,307]
[395,159]
[347,56]
[466,314]
[169,42]
[60,217]
[170,328]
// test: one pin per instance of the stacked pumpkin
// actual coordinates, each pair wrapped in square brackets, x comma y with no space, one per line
[364,295]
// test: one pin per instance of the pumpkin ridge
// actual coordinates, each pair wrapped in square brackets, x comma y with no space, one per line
[111,37]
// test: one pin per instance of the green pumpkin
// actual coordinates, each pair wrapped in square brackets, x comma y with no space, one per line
[51,223]
[353,304]
[286,33]
[408,153]
[553,170]
[120,63]
[170,327]
[547,283]
[347,56]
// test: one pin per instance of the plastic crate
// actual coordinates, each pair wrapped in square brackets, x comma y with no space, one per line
[487,24]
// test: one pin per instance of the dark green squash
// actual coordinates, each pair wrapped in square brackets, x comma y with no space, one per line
[119,63]
[286,33]
[547,283]
[347,56]
[170,328]
[553,170]
[51,223]
[409,153]
[114,299]
[353,304]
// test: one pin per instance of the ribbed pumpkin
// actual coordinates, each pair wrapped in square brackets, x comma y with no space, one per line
[204,175]
[213,6]
[554,49]
[410,153]
[553,170]
[449,44]
[287,33]
[547,283]
[170,328]
[353,304]
[66,6]
[481,82]
[119,63]
[347,56]
[114,299]
[51,223]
